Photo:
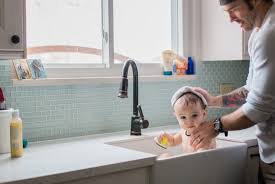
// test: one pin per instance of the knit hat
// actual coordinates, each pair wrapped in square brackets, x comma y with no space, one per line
[182,91]
[224,2]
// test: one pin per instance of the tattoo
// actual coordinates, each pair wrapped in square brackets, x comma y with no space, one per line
[236,98]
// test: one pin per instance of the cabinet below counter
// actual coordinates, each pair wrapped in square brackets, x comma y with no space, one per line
[248,136]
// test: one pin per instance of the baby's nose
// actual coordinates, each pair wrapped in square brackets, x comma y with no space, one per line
[190,121]
[189,124]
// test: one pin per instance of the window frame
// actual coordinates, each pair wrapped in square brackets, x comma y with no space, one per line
[108,68]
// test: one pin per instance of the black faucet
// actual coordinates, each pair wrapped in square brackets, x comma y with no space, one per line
[137,121]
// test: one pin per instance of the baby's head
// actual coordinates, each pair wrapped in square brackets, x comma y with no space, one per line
[190,107]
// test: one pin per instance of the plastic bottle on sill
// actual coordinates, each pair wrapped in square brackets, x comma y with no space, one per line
[167,62]
[181,65]
[16,135]
[191,67]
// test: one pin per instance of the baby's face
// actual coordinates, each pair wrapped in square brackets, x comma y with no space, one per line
[190,115]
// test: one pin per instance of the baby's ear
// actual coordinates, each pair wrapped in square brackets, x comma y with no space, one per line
[205,112]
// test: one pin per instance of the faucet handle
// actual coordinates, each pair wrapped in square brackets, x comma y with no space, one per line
[144,123]
[140,111]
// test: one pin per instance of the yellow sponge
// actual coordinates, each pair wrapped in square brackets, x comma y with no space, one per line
[163,143]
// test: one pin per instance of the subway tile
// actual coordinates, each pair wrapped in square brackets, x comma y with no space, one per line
[64,111]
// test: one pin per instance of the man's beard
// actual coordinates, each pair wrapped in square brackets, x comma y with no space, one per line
[249,23]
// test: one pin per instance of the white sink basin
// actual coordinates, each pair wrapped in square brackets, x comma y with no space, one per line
[224,165]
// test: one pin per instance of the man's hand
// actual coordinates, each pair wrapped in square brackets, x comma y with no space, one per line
[211,100]
[201,135]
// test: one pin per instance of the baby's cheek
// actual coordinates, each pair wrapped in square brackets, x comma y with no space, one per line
[198,123]
[181,124]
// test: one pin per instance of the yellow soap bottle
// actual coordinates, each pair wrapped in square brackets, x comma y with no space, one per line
[16,137]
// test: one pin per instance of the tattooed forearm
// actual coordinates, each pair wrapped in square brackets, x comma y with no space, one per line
[235,98]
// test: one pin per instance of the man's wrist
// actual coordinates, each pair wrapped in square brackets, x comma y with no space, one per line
[218,126]
[218,102]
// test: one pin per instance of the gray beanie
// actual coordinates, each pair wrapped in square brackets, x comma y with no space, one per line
[224,2]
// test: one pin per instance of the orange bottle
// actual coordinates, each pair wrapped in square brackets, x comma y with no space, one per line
[181,65]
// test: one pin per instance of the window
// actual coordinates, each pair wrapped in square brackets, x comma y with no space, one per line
[142,29]
[100,34]
[64,31]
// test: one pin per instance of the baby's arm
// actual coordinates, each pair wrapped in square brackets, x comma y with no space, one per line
[172,140]
[177,139]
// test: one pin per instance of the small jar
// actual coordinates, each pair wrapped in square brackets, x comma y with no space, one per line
[168,57]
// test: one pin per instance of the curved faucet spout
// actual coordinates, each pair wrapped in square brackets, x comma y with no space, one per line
[137,121]
[126,66]
[123,90]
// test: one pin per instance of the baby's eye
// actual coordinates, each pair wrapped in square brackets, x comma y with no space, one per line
[182,117]
[194,115]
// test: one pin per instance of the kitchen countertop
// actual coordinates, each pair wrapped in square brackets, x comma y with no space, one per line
[70,159]
[247,136]
[80,157]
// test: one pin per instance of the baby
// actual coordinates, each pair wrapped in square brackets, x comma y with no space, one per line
[190,109]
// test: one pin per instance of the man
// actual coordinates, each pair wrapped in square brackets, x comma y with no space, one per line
[257,98]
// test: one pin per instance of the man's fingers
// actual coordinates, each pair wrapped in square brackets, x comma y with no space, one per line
[195,140]
[194,131]
[200,144]
[200,90]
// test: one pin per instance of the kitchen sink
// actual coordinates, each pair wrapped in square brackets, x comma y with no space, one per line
[224,165]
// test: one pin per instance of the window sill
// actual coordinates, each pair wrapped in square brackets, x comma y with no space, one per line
[95,80]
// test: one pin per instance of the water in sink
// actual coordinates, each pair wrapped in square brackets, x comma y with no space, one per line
[148,145]
[223,165]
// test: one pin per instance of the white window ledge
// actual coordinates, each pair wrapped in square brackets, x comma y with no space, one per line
[95,80]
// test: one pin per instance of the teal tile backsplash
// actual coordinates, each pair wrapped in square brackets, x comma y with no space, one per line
[63,111]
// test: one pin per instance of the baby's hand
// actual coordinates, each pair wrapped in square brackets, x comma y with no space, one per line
[166,139]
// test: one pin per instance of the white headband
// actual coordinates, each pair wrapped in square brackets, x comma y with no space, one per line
[186,89]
